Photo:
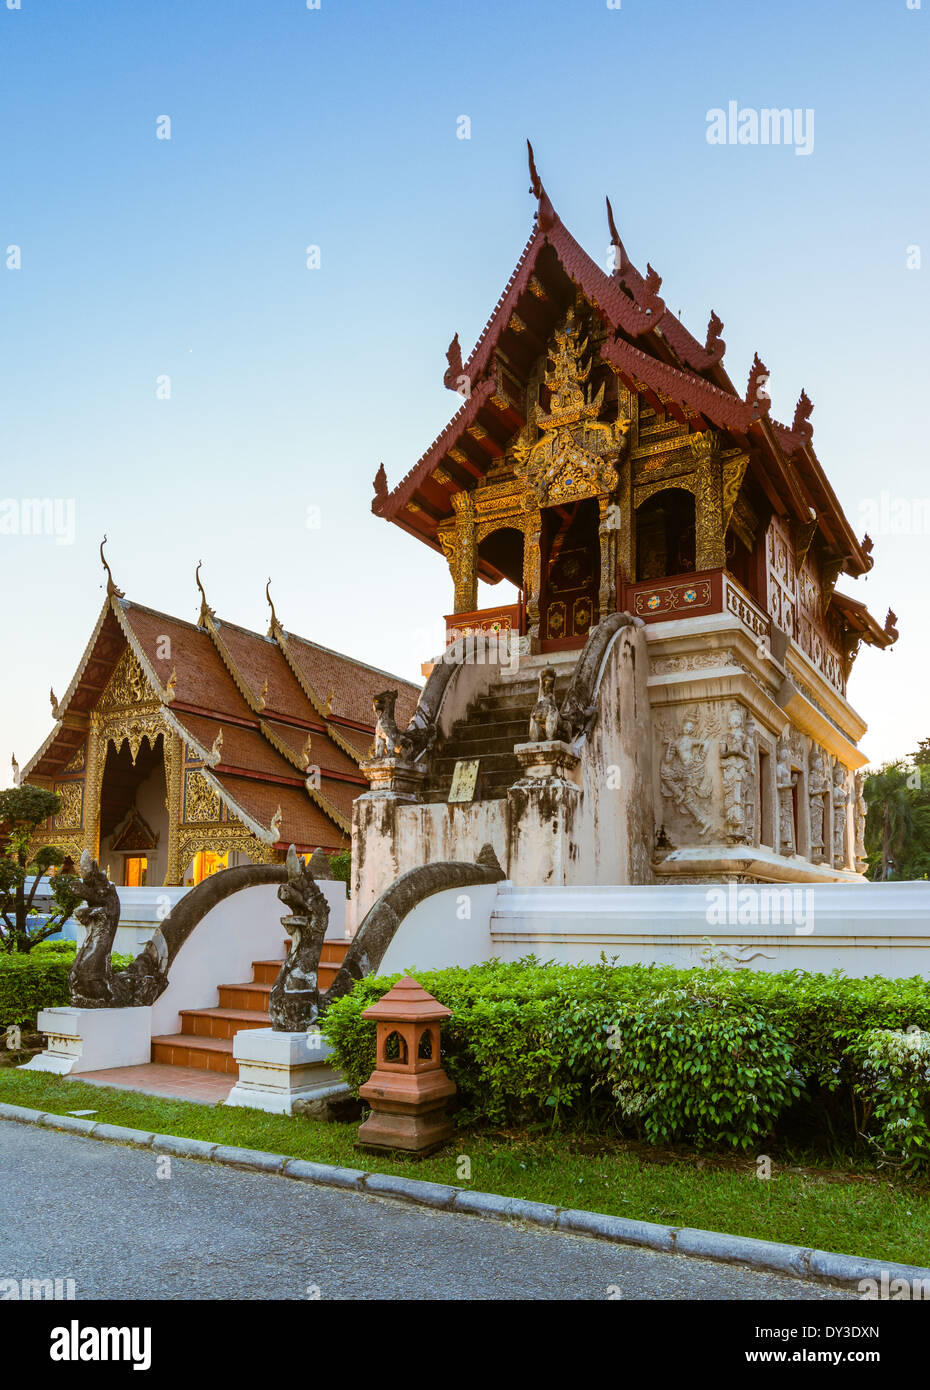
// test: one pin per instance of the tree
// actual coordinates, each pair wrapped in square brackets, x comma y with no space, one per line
[22,811]
[898,821]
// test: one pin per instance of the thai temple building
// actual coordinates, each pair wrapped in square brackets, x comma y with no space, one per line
[663,696]
[182,748]
[655,715]
[602,461]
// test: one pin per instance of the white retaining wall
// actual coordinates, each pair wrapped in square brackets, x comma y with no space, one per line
[861,929]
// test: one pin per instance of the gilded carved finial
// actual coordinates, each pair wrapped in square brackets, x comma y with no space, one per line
[172,686]
[51,696]
[305,752]
[329,703]
[381,489]
[16,775]
[263,694]
[891,630]
[274,625]
[802,414]
[112,590]
[217,748]
[206,612]
[545,212]
[276,820]
[715,346]
[756,394]
[622,261]
[649,298]
[454,373]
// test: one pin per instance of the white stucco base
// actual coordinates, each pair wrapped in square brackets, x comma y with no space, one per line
[81,1040]
[277,1070]
[859,928]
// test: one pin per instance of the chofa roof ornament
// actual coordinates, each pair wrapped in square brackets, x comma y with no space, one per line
[206,612]
[112,590]
[545,212]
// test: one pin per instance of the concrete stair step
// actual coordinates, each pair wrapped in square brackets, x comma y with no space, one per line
[251,996]
[183,1050]
[490,762]
[265,972]
[220,1023]
[480,747]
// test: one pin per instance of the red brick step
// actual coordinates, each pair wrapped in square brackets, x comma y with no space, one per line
[206,1036]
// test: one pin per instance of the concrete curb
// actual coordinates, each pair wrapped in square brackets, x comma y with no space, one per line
[820,1266]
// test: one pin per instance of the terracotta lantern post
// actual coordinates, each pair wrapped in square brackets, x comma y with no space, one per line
[408,1089]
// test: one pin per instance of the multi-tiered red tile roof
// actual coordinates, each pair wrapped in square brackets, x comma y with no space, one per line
[280,723]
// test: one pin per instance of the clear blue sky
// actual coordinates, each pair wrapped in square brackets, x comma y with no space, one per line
[337,127]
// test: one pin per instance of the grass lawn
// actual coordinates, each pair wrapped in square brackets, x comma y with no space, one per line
[853,1212]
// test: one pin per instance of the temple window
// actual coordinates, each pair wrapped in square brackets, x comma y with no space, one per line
[665,535]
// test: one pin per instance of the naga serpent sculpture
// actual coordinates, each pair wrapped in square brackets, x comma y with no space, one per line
[294,1003]
[91,981]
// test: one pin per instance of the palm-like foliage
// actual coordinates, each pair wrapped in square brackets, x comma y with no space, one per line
[898,822]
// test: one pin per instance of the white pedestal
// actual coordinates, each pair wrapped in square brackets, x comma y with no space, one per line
[82,1040]
[278,1070]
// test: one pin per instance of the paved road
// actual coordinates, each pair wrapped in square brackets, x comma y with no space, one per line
[80,1208]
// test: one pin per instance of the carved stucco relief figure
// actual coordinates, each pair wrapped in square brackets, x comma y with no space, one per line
[861,810]
[737,759]
[840,815]
[683,774]
[817,788]
[785,782]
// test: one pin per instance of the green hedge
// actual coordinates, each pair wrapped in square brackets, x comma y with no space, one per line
[706,1056]
[37,981]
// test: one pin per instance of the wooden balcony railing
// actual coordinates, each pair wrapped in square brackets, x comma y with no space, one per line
[509,618]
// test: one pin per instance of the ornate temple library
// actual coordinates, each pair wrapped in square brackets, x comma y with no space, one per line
[181,748]
[664,696]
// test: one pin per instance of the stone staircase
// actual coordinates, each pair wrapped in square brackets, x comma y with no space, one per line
[206,1036]
[491,727]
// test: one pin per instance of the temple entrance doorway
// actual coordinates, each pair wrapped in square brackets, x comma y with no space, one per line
[133,816]
[571,574]
[665,535]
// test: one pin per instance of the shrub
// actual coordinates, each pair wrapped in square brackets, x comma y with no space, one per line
[709,1056]
[37,981]
[893,1089]
[694,1064]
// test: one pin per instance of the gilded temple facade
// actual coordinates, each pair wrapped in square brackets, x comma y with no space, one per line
[603,462]
[183,748]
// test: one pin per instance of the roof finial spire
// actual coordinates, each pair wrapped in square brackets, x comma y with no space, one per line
[545,213]
[112,590]
[206,612]
[381,489]
[801,424]
[274,616]
[16,772]
[622,261]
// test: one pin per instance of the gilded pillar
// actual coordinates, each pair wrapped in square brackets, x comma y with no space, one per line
[93,786]
[174,768]
[607,534]
[465,563]
[532,571]
[709,539]
[626,547]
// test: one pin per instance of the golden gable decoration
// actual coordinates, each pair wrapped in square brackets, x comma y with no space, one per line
[201,802]
[70,812]
[576,453]
[127,686]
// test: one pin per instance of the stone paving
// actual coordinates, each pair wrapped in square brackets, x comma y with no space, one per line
[158,1079]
